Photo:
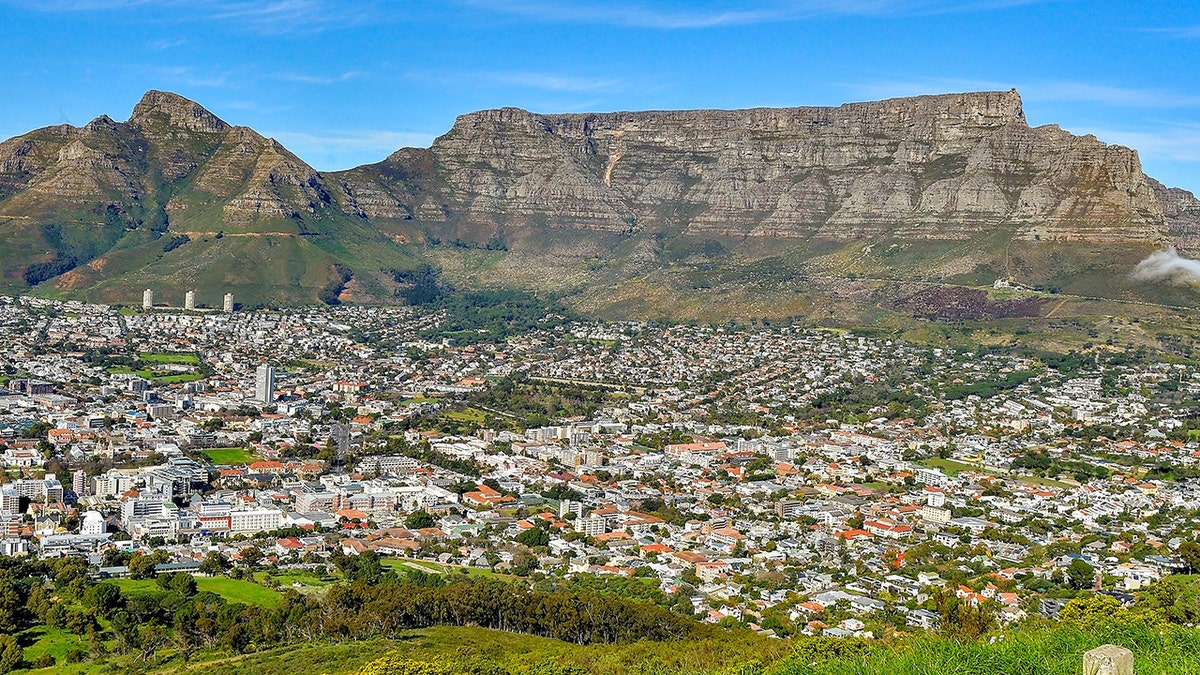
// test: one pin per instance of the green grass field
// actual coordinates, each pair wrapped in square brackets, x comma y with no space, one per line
[159,377]
[184,358]
[953,467]
[234,456]
[233,590]
[237,590]
[403,564]
[467,415]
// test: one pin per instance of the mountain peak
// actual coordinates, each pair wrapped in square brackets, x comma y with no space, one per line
[176,111]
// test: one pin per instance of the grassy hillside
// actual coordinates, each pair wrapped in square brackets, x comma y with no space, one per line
[1044,650]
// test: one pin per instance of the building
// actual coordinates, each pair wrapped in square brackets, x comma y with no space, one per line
[264,383]
[228,306]
[147,299]
[79,483]
[255,520]
[93,523]
[189,300]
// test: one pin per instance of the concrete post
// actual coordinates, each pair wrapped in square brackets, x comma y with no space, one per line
[1108,660]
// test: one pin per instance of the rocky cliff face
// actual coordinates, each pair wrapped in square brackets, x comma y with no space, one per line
[951,187]
[930,167]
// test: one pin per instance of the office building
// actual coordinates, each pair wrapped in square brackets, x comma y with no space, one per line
[147,299]
[189,300]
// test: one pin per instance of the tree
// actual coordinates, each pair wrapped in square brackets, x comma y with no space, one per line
[11,653]
[1090,608]
[418,520]
[142,566]
[105,598]
[534,536]
[252,555]
[214,563]
[1189,551]
[183,584]
[1080,574]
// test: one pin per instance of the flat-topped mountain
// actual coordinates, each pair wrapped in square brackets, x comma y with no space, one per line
[930,167]
[675,213]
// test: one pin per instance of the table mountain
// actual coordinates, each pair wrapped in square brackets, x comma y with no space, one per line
[679,213]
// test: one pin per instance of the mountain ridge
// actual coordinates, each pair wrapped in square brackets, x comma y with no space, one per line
[579,204]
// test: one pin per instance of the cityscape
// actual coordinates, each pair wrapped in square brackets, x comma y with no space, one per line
[792,480]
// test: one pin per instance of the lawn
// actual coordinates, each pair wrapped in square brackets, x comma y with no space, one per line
[49,640]
[309,582]
[229,456]
[467,415]
[952,467]
[237,590]
[403,564]
[159,377]
[185,358]
[233,590]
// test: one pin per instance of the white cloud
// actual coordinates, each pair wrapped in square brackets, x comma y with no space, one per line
[262,16]
[698,15]
[1172,142]
[346,148]
[305,78]
[1169,266]
[526,79]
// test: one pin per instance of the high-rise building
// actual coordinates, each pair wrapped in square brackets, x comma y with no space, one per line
[229,302]
[264,383]
[147,299]
[79,483]
[189,300]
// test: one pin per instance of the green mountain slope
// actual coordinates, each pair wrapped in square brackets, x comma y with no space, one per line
[174,199]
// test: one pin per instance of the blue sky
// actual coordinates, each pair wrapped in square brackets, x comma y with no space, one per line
[345,82]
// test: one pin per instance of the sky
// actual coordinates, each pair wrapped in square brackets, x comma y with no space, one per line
[346,82]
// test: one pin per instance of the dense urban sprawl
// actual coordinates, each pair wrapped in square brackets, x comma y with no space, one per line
[791,479]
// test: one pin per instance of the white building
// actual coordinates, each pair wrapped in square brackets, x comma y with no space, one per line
[147,299]
[264,383]
[93,523]
[255,520]
[189,300]
[228,306]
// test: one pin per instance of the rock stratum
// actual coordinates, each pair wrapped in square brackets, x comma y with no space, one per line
[689,213]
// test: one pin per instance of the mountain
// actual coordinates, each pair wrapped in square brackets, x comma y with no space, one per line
[702,213]
[175,198]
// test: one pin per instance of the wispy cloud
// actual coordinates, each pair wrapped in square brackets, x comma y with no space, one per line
[698,15]
[305,78]
[163,45]
[1179,32]
[523,79]
[184,76]
[1036,91]
[356,142]
[1171,142]
[263,16]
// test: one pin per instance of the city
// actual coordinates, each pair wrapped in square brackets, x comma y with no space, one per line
[786,479]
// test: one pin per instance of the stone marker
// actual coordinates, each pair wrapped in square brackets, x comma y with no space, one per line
[1108,660]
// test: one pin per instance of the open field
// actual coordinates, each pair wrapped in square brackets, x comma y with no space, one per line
[229,456]
[237,590]
[403,564]
[233,590]
[184,358]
